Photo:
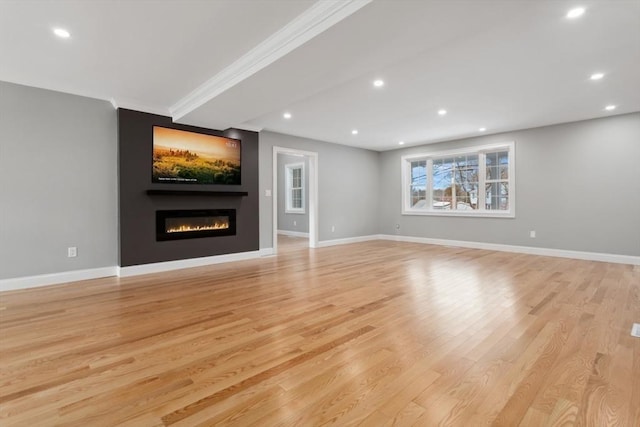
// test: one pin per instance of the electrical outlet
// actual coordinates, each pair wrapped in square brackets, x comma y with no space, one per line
[295,223]
[72,252]
[333,228]
[532,234]
[267,193]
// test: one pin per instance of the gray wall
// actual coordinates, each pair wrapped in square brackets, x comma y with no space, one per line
[58,182]
[577,185]
[347,187]
[286,220]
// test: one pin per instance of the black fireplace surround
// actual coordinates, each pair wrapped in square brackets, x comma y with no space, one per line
[195,223]
[140,199]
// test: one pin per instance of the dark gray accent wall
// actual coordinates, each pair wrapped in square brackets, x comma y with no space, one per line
[138,243]
[577,186]
[57,182]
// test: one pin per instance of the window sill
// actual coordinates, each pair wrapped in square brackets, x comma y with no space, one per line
[484,214]
[294,212]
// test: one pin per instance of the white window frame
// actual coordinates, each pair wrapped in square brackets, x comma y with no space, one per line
[288,174]
[481,151]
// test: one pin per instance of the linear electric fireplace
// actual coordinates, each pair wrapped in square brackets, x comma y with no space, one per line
[189,224]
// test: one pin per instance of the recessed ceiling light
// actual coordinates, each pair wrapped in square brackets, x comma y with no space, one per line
[287,115]
[378,83]
[401,143]
[62,33]
[482,129]
[442,112]
[354,132]
[596,76]
[575,13]
[610,107]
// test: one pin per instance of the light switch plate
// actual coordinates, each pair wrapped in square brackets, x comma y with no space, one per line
[635,330]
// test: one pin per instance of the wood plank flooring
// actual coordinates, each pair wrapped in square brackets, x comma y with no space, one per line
[370,334]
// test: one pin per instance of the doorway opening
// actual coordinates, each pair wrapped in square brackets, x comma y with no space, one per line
[295,198]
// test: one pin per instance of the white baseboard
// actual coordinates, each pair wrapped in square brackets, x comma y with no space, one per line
[293,233]
[95,273]
[158,267]
[348,240]
[560,253]
[55,278]
[267,252]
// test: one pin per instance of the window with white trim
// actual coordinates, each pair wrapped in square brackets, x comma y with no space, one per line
[294,177]
[475,181]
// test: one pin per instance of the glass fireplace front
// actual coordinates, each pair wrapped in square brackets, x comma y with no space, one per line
[195,223]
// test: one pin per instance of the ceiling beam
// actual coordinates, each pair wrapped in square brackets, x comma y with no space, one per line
[318,18]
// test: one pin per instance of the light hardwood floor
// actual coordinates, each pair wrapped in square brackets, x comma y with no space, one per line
[372,334]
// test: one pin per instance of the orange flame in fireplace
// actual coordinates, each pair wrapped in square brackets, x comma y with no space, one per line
[185,228]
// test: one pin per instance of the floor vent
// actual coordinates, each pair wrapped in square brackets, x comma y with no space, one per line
[635,330]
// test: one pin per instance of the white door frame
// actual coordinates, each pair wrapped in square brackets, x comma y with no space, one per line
[312,196]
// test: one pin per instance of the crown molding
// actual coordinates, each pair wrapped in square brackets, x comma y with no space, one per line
[318,18]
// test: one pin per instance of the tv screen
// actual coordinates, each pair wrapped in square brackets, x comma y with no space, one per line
[194,158]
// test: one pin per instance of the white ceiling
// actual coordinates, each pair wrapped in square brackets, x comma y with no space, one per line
[503,65]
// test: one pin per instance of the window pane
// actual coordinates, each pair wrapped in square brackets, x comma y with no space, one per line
[418,197]
[503,164]
[492,159]
[419,172]
[493,172]
[504,188]
[418,185]
[441,202]
[296,177]
[466,182]
[503,157]
[497,165]
[442,183]
[497,193]
[504,203]
[296,198]
[491,191]
[467,197]
[497,196]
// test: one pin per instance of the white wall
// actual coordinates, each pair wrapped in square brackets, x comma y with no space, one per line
[347,187]
[57,182]
[577,186]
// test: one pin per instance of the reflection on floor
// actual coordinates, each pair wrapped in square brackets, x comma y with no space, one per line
[376,333]
[288,244]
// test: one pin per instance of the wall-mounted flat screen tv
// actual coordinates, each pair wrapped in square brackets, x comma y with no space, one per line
[194,158]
